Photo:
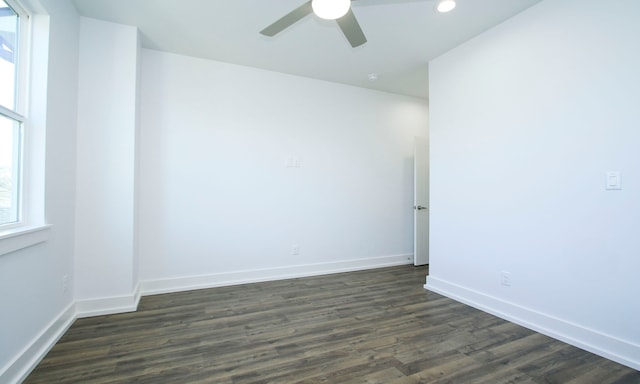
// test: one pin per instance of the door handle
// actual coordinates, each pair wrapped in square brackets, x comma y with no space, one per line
[419,207]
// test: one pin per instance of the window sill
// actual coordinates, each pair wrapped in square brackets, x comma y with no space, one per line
[14,239]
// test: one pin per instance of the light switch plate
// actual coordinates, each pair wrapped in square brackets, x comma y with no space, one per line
[613,181]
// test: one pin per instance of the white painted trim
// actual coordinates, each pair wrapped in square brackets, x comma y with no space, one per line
[154,287]
[17,238]
[607,346]
[25,361]
[108,305]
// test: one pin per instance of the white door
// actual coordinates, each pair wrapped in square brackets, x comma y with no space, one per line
[420,202]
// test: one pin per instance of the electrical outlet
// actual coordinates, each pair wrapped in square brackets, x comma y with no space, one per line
[295,250]
[505,278]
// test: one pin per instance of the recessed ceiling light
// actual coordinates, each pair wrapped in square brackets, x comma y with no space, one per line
[445,6]
[372,76]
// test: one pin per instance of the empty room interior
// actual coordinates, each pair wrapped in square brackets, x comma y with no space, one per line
[190,158]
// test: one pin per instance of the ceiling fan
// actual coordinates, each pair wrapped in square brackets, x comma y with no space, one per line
[343,15]
[338,10]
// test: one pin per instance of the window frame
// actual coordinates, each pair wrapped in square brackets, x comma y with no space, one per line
[19,112]
[33,37]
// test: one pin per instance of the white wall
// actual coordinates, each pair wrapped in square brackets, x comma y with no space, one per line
[106,279]
[218,203]
[526,119]
[35,308]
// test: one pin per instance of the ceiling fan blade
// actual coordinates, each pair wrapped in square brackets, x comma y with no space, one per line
[351,29]
[288,19]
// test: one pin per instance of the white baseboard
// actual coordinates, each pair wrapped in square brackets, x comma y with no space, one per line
[18,369]
[153,287]
[108,305]
[607,346]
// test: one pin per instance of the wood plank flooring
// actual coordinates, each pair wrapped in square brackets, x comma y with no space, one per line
[376,326]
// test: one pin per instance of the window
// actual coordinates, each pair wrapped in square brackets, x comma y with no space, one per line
[22,143]
[12,118]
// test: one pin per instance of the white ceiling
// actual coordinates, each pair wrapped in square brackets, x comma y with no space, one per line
[403,35]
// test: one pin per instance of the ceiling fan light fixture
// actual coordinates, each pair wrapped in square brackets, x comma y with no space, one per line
[330,9]
[445,6]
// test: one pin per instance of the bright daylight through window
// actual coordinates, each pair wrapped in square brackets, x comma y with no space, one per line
[11,118]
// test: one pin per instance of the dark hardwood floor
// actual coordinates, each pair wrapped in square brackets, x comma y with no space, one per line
[377,326]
